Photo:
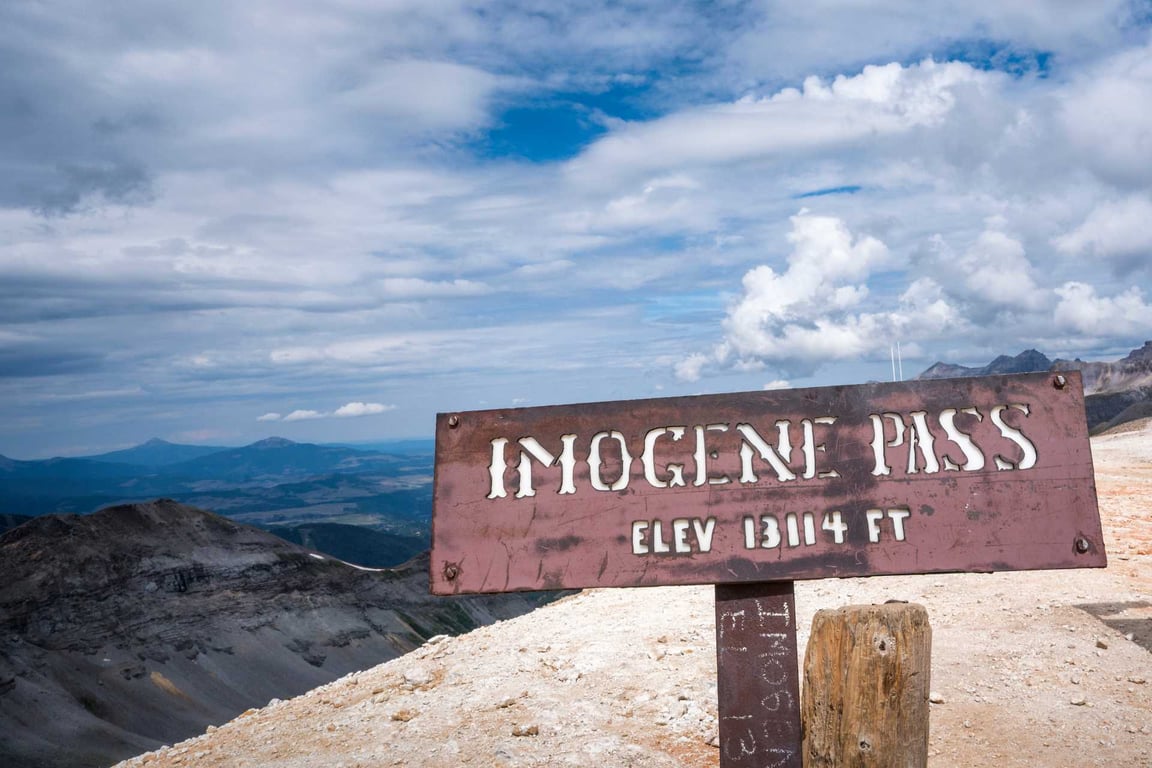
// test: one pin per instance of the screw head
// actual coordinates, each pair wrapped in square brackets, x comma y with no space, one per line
[1082,545]
[453,421]
[1059,381]
[451,571]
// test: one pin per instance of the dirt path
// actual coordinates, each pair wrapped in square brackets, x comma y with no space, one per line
[1035,669]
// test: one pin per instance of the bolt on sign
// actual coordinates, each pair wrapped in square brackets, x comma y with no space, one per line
[974,474]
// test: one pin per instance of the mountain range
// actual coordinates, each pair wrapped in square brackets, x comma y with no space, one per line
[271,483]
[1116,392]
[143,624]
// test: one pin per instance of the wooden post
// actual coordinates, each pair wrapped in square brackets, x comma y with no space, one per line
[866,682]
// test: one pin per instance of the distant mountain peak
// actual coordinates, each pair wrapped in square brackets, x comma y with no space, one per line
[1116,392]
[273,442]
[1028,361]
[1140,354]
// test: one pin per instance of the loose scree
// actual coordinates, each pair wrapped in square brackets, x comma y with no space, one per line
[948,475]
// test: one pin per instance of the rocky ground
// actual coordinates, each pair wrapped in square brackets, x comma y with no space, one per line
[1029,669]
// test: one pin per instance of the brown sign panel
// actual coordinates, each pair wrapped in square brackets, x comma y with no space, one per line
[974,474]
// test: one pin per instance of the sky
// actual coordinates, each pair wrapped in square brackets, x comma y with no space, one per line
[329,221]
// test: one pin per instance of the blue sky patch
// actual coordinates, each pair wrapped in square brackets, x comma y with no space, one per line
[996,56]
[847,189]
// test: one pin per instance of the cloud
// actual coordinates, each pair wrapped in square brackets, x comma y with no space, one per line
[1116,231]
[361,409]
[303,415]
[1105,117]
[433,95]
[813,309]
[991,275]
[1081,310]
[236,204]
[348,410]
[880,101]
[690,368]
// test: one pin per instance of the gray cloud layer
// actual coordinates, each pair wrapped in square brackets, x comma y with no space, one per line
[212,212]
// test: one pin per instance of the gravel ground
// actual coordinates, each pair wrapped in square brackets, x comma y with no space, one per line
[1031,669]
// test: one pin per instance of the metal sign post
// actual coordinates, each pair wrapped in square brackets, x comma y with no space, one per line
[758,682]
[751,491]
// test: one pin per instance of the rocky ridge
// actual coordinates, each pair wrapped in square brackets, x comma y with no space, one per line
[1116,392]
[142,624]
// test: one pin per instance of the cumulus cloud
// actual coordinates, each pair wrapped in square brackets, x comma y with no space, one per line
[1117,231]
[992,274]
[812,310]
[303,415]
[361,409]
[881,100]
[820,309]
[1082,310]
[346,411]
[1104,113]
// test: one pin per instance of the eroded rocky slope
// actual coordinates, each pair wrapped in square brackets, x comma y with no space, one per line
[142,624]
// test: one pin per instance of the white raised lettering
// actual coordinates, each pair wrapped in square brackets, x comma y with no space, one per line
[973,457]
[568,464]
[835,525]
[704,531]
[639,547]
[777,457]
[919,436]
[793,529]
[496,469]
[594,462]
[810,448]
[878,442]
[874,518]
[680,528]
[809,529]
[649,461]
[898,516]
[659,546]
[532,450]
[701,456]
[1015,436]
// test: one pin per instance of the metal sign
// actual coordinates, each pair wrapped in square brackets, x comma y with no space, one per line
[975,474]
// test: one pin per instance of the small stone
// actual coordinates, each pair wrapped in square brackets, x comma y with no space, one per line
[417,677]
[403,715]
[526,730]
[935,697]
[1075,680]
[436,639]
[1137,680]
[1130,636]
[331,727]
[1079,701]
[1101,643]
[714,739]
[505,702]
